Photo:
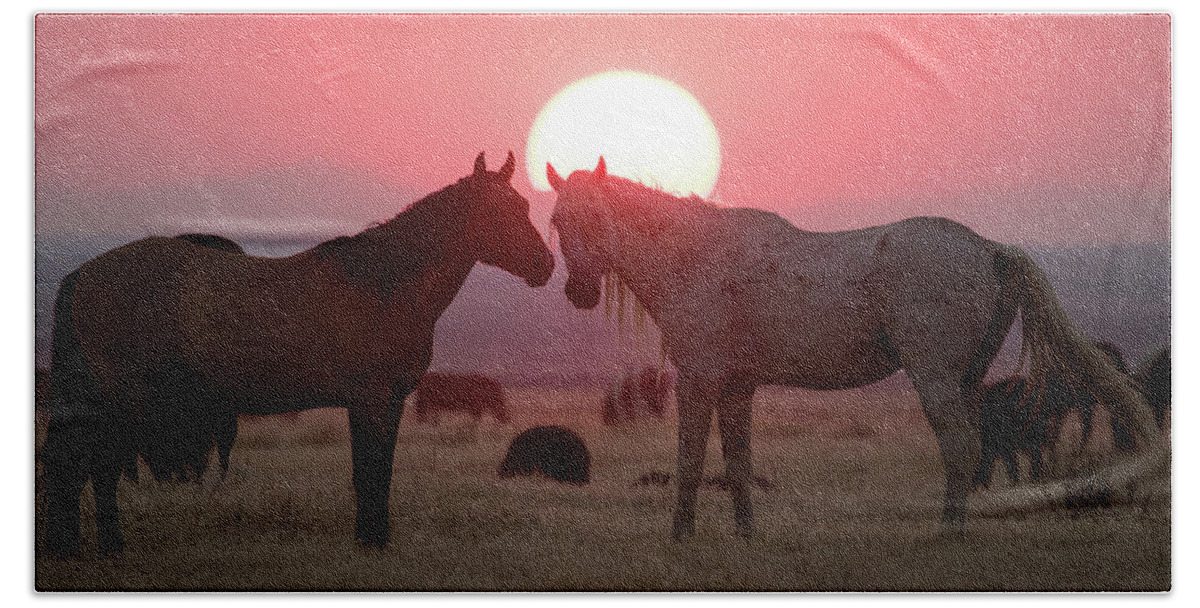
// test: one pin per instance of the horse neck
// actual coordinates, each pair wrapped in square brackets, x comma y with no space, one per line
[419,259]
[657,242]
[439,224]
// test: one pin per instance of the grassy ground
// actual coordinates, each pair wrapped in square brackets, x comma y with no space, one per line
[855,501]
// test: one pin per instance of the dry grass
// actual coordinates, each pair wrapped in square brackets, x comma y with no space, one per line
[855,506]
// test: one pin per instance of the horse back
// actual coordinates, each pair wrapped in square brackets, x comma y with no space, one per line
[255,330]
[786,298]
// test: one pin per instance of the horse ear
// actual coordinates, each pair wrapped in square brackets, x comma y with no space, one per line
[556,182]
[510,165]
[601,171]
[480,166]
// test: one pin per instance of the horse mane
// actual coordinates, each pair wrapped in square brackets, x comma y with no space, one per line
[650,209]
[394,252]
[629,190]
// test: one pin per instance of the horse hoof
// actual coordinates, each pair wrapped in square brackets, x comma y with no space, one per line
[112,548]
[61,545]
[954,529]
[376,544]
[62,551]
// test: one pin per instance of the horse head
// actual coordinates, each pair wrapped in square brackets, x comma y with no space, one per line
[499,225]
[586,231]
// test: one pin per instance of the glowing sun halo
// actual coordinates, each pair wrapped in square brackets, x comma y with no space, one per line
[648,129]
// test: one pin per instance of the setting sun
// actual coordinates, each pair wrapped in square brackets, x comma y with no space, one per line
[648,129]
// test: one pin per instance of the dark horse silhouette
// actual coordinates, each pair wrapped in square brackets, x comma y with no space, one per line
[744,298]
[470,393]
[161,323]
[1085,402]
[1154,375]
[1016,417]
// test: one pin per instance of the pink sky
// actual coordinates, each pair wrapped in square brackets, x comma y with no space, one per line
[1042,128]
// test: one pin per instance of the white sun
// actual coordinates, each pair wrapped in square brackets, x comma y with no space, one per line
[648,129]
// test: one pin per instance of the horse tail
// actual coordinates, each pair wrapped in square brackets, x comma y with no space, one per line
[68,452]
[74,393]
[1052,344]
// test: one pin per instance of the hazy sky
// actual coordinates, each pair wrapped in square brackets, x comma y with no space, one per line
[1042,128]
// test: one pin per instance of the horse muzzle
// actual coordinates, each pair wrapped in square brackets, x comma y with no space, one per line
[542,274]
[584,294]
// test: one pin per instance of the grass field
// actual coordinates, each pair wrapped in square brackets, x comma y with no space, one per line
[856,496]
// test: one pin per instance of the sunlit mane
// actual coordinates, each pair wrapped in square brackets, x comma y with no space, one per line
[640,200]
[636,192]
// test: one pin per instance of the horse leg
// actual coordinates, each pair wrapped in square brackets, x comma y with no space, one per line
[1010,466]
[1085,419]
[77,438]
[108,523]
[1053,432]
[63,479]
[373,447]
[1122,436]
[226,432]
[696,401]
[114,450]
[955,422]
[983,473]
[733,419]
[373,444]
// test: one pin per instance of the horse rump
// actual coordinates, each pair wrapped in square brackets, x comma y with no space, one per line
[176,437]
[212,241]
[553,451]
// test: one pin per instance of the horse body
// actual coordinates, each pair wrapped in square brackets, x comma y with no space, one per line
[473,394]
[744,298]
[258,331]
[163,330]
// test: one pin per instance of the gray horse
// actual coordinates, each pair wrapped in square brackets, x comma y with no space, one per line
[744,298]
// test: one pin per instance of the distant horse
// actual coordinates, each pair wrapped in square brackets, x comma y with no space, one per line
[1154,375]
[634,395]
[744,298]
[161,323]
[473,394]
[1016,417]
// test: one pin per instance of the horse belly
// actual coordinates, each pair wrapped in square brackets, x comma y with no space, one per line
[274,354]
[824,339]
